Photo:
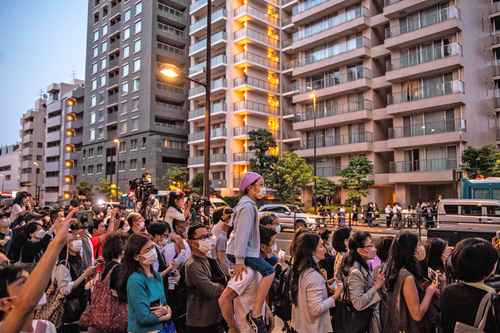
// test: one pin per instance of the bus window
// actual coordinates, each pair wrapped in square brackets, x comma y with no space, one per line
[493,211]
[451,209]
[472,210]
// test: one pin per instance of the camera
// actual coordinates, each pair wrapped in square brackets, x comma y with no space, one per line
[142,188]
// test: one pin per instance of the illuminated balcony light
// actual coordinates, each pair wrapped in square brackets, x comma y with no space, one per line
[70,132]
[69,148]
[69,164]
[67,195]
[273,124]
[68,179]
[71,101]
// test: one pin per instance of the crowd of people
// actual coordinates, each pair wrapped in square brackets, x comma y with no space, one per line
[83,268]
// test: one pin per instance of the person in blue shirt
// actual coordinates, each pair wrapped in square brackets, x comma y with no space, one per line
[147,305]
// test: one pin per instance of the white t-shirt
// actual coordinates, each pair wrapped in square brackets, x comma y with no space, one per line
[172,214]
[49,327]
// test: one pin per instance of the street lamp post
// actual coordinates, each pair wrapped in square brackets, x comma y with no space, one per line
[117,143]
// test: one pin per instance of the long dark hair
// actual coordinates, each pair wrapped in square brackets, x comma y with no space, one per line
[172,197]
[402,255]
[20,196]
[339,237]
[130,265]
[357,241]
[434,250]
[302,260]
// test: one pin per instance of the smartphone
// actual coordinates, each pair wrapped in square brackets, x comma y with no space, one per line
[154,303]
[333,285]
[281,254]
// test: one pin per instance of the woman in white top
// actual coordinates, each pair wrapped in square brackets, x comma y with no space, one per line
[310,300]
[176,209]
[19,205]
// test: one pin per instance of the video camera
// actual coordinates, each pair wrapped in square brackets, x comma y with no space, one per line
[142,188]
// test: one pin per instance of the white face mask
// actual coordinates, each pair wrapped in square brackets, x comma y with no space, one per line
[278,228]
[207,246]
[39,234]
[141,226]
[5,222]
[76,245]
[126,228]
[42,301]
[150,257]
[263,192]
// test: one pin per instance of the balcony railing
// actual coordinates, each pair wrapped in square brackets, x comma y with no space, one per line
[216,84]
[216,133]
[494,7]
[330,109]
[170,89]
[330,141]
[255,58]
[336,79]
[256,83]
[328,171]
[217,37]
[171,49]
[422,165]
[239,131]
[426,20]
[433,54]
[256,12]
[333,52]
[331,22]
[197,5]
[172,13]
[291,87]
[216,61]
[201,23]
[257,35]
[429,128]
[214,158]
[243,156]
[443,89]
[254,106]
[306,5]
[216,107]
[175,33]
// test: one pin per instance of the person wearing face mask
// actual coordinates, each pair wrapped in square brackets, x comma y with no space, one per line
[69,276]
[362,286]
[205,281]
[5,232]
[161,237]
[243,248]
[147,304]
[37,241]
[136,223]
[222,220]
[176,208]
[403,288]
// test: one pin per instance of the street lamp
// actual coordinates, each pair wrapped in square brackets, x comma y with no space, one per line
[37,190]
[3,181]
[313,97]
[117,143]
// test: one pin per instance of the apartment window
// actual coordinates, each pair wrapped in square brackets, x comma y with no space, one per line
[91,136]
[92,118]
[100,116]
[128,15]
[96,35]
[144,141]
[123,127]
[84,153]
[98,168]
[133,164]
[100,133]
[84,169]
[138,27]
[90,170]
[104,29]
[133,144]
[125,70]
[135,104]
[143,163]
[126,51]
[99,150]
[134,124]
[103,63]
[123,107]
[137,46]
[122,147]
[102,80]
[96,17]
[96,3]
[138,8]
[95,67]
[94,84]
[95,51]
[91,152]
[121,165]
[137,65]
[39,144]
[126,34]
[136,84]
[100,98]
[93,100]
[104,47]
[124,88]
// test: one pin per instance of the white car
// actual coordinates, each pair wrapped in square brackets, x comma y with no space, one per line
[291,216]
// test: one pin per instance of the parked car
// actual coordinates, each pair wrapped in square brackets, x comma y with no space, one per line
[292,216]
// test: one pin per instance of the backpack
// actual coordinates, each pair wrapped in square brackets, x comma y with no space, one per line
[481,317]
[280,293]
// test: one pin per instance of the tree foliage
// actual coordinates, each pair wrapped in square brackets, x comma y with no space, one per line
[484,161]
[325,190]
[175,178]
[84,188]
[105,187]
[289,175]
[260,142]
[355,179]
[197,183]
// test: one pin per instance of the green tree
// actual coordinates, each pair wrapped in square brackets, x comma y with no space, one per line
[481,161]
[105,187]
[325,190]
[288,176]
[355,179]
[175,178]
[260,141]
[197,183]
[84,188]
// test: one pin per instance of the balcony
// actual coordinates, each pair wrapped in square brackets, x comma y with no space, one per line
[334,145]
[217,133]
[333,114]
[355,79]
[291,88]
[196,6]
[220,60]
[218,183]
[430,133]
[257,36]
[245,107]
[253,82]
[306,5]
[357,48]
[171,33]
[422,171]
[219,37]
[178,129]
[396,8]
[252,58]
[27,138]
[444,20]
[171,52]
[260,14]
[448,93]
[214,158]
[243,156]
[243,131]
[170,92]
[198,91]
[202,23]
[217,108]
[494,7]
[328,171]
[170,110]
[54,121]
[53,151]
[172,14]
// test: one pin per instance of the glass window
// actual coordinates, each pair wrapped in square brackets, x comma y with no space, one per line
[102,80]
[136,84]
[92,135]
[93,100]
[123,127]
[92,118]
[133,144]
[104,29]
[137,65]
[100,133]
[103,63]
[451,209]
[126,34]
[94,84]
[138,27]
[123,107]
[126,51]
[481,193]
[138,8]
[133,164]
[100,115]
[124,88]
[137,45]
[128,15]
[472,210]
[96,35]
[135,104]
[493,211]
[134,124]
[95,51]
[122,147]
[95,67]
[104,47]
[125,69]
[98,168]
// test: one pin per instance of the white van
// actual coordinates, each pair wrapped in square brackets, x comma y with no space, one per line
[469,215]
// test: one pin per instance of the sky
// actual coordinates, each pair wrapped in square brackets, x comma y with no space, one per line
[41,42]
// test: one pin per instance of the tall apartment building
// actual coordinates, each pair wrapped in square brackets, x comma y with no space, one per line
[32,136]
[135,121]
[245,85]
[63,141]
[406,83]
[10,159]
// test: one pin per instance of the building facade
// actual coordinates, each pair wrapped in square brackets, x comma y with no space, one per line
[405,83]
[135,120]
[63,141]
[32,135]
[10,159]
